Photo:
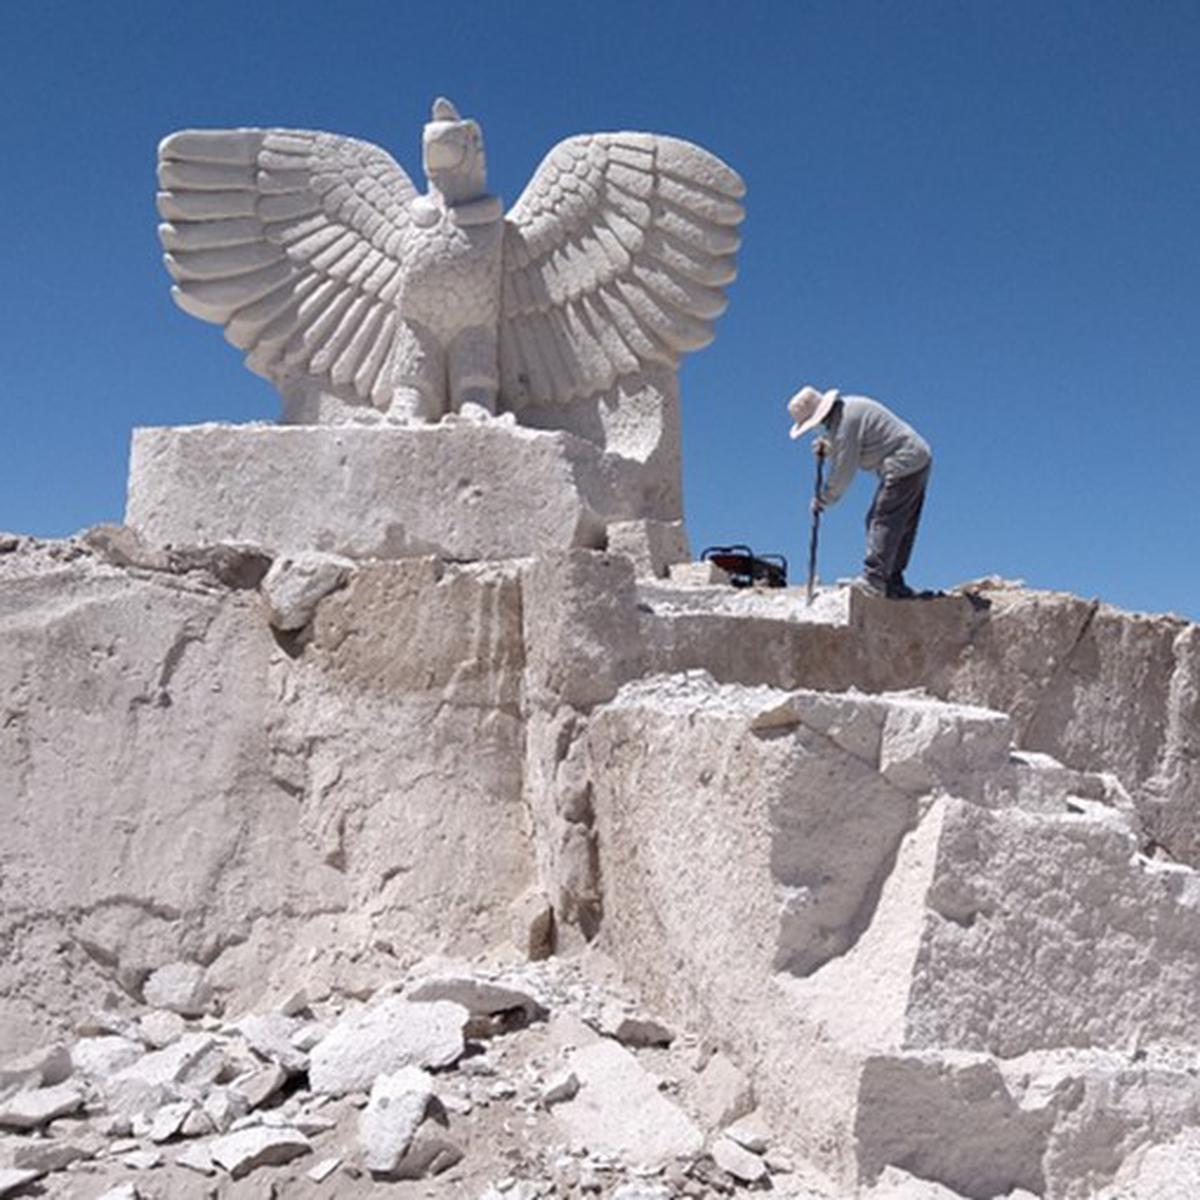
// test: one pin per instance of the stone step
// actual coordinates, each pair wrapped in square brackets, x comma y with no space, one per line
[842,881]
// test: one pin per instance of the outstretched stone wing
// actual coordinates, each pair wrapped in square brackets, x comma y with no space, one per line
[614,257]
[294,241]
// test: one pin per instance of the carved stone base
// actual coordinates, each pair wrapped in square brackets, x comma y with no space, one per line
[462,490]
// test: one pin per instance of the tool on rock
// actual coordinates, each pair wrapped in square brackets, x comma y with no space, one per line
[747,569]
[816,524]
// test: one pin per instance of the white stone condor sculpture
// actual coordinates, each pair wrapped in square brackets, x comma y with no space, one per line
[356,296]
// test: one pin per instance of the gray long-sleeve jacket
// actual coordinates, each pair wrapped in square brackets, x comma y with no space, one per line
[863,434]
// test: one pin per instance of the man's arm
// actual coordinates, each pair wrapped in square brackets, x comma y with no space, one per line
[843,459]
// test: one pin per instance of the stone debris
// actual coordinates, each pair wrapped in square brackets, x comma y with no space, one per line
[34,1107]
[750,1132]
[142,1160]
[160,1028]
[619,1109]
[563,1086]
[45,1067]
[480,997]
[197,1157]
[386,1036]
[395,1110]
[737,1161]
[323,1169]
[13,1179]
[632,1029]
[123,1191]
[297,583]
[180,987]
[241,1152]
[725,1092]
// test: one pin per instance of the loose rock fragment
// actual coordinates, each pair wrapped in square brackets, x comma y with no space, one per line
[123,1191]
[724,1093]
[386,1037]
[160,1028]
[103,1057]
[40,1068]
[480,997]
[270,1037]
[633,1030]
[737,1161]
[430,1153]
[562,1086]
[198,1158]
[180,987]
[297,583]
[620,1111]
[34,1107]
[241,1152]
[387,1126]
[46,1155]
[12,1179]
[323,1169]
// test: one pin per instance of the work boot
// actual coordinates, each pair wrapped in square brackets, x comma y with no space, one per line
[870,587]
[900,591]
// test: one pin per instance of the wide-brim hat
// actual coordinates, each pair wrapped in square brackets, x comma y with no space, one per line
[808,408]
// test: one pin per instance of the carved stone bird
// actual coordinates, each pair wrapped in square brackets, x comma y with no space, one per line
[354,294]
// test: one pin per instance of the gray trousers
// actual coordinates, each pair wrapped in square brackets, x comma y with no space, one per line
[892,527]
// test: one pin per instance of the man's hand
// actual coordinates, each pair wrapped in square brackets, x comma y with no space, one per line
[821,447]
[817,506]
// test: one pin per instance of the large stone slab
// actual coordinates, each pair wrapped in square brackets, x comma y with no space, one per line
[463,490]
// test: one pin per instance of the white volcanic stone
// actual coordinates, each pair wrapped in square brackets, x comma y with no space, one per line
[260,1085]
[197,1157]
[633,1029]
[442,335]
[43,1067]
[559,1087]
[101,1057]
[242,1152]
[430,1153]
[47,1155]
[723,1093]
[270,1037]
[160,1028]
[297,583]
[180,987]
[385,1037]
[737,1161]
[12,1179]
[389,1122]
[169,1120]
[408,659]
[656,547]
[34,1107]
[619,1110]
[467,492]
[480,997]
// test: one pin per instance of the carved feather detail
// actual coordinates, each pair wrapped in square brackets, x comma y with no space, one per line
[287,238]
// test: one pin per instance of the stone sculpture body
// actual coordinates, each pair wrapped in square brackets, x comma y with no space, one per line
[360,298]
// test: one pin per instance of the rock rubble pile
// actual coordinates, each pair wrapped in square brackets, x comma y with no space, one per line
[501,1082]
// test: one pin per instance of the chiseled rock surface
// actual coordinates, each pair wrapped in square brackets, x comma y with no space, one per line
[465,491]
[907,910]
[312,789]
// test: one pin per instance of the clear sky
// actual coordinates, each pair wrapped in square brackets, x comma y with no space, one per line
[985,214]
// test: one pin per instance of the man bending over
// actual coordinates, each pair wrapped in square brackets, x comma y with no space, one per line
[859,433]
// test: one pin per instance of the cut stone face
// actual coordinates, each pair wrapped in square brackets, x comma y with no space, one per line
[466,491]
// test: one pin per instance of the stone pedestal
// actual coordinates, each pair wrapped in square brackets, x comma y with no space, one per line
[460,490]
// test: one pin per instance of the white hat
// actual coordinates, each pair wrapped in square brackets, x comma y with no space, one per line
[808,408]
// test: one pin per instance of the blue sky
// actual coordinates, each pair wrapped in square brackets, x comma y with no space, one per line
[987,215]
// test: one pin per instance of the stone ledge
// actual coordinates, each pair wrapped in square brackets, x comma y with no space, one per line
[462,491]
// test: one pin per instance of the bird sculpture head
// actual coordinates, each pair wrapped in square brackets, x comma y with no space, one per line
[453,154]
